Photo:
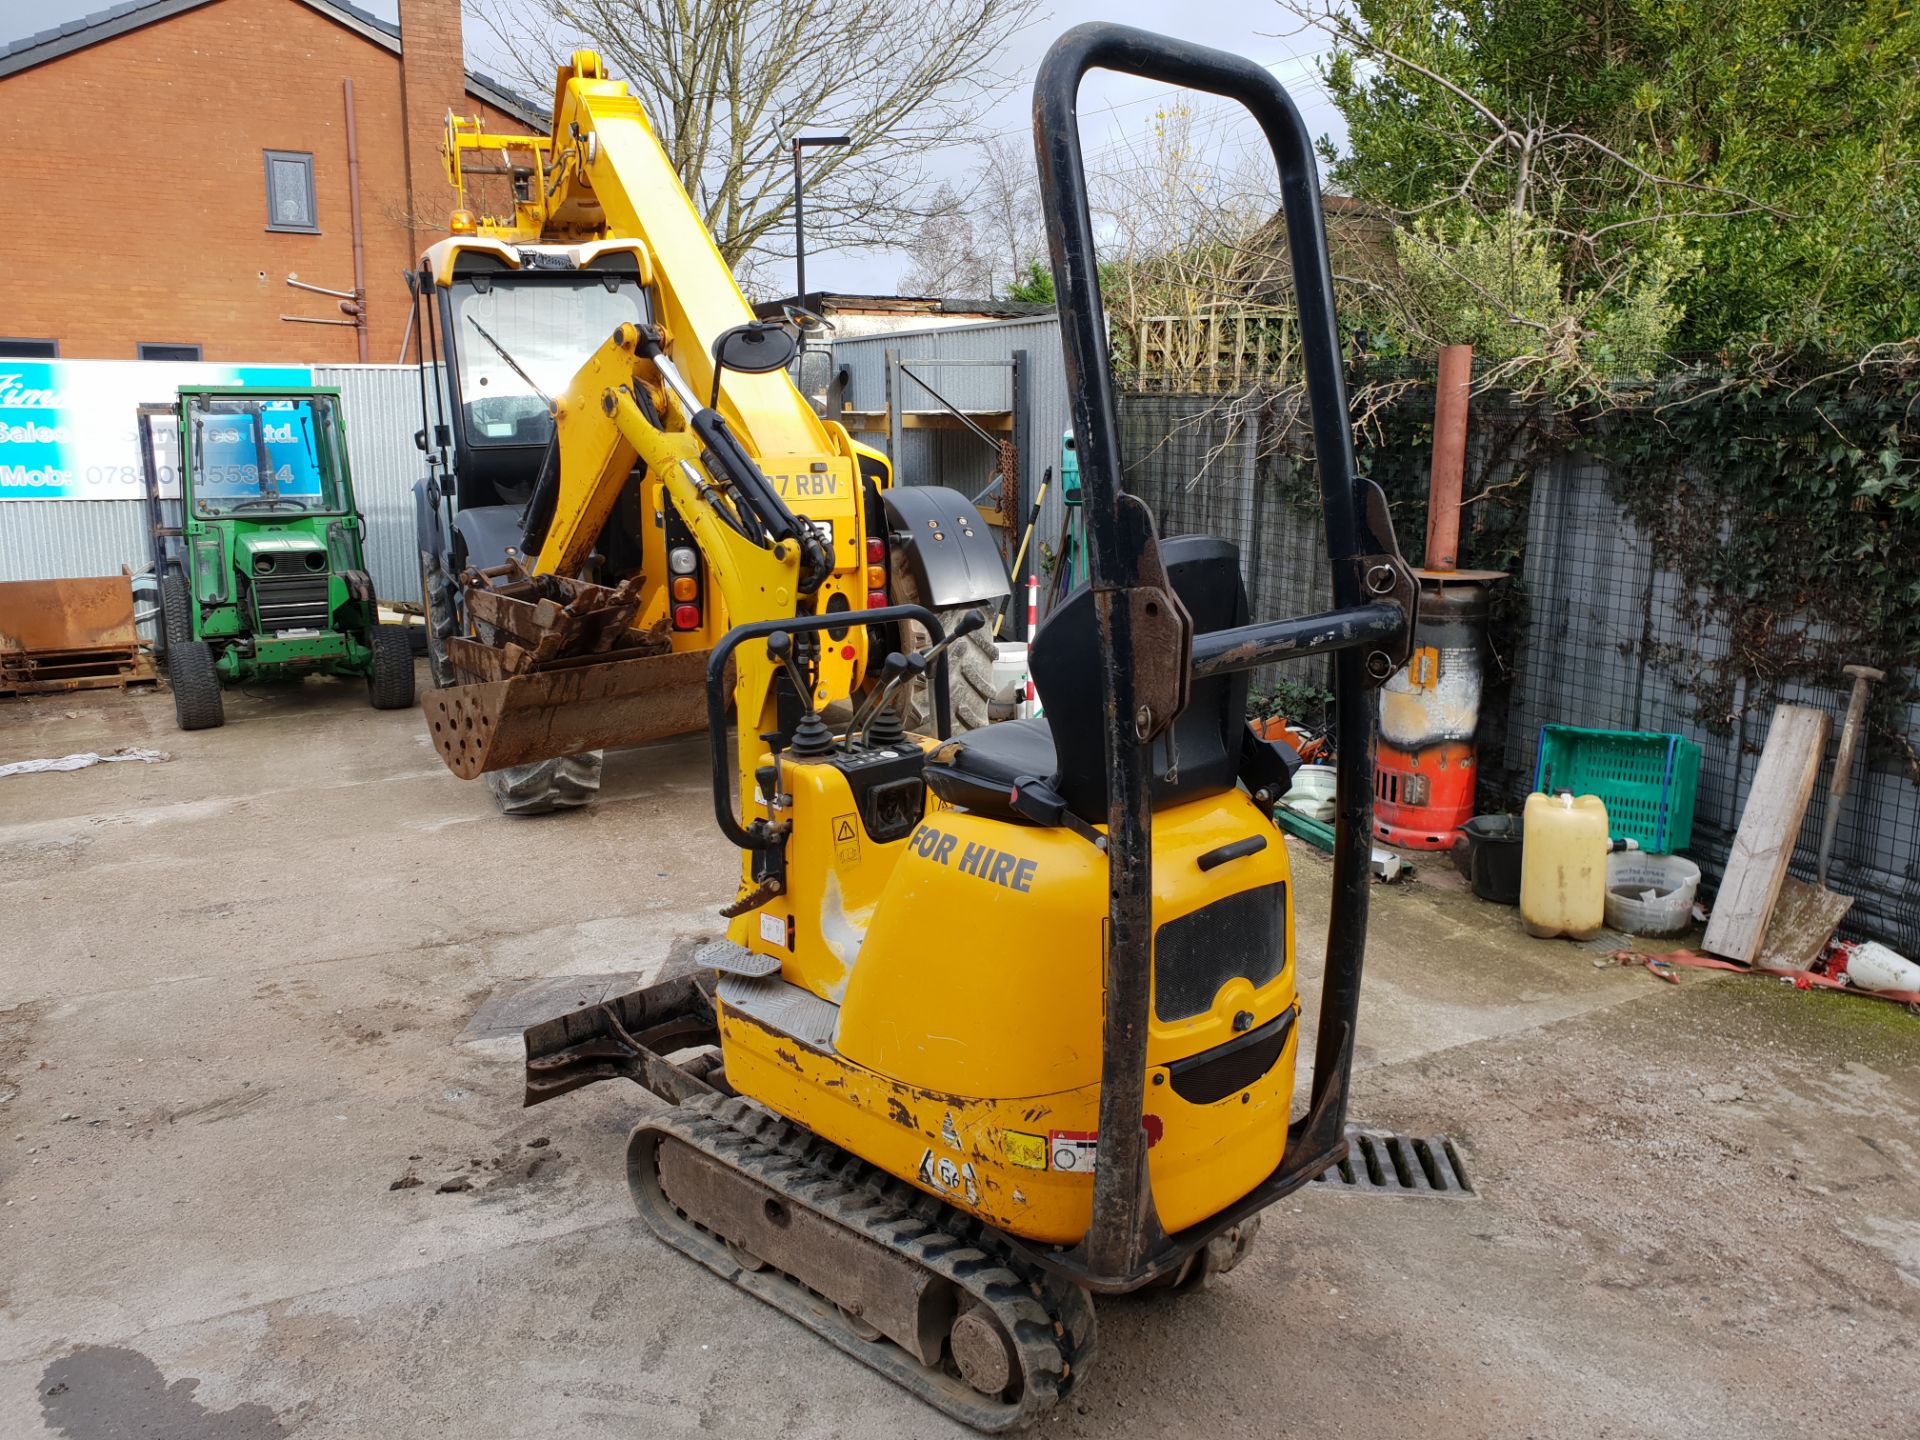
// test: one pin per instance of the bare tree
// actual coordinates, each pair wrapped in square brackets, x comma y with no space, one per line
[981,242]
[945,257]
[727,84]
[1007,204]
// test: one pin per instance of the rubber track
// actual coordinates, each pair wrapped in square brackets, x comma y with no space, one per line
[1050,1320]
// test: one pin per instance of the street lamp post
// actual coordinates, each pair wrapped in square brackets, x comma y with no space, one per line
[799,207]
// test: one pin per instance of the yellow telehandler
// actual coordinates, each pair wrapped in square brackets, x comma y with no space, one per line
[599,360]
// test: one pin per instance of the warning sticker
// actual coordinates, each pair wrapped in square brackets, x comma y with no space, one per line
[1028,1151]
[944,1173]
[1073,1149]
[846,839]
[773,928]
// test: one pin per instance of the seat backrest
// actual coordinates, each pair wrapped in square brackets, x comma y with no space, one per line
[1200,755]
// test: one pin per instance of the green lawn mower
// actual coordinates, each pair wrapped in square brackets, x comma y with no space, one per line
[259,552]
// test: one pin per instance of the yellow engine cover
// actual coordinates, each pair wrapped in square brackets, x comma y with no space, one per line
[967,1054]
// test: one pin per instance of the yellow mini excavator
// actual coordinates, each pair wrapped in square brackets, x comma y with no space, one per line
[1008,1020]
[619,468]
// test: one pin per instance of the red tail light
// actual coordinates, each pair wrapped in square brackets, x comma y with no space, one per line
[876,598]
[686,617]
[876,550]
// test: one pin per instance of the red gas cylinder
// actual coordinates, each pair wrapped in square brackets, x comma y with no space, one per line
[1424,767]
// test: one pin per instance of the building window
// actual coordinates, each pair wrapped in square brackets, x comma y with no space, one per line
[149,351]
[290,192]
[29,349]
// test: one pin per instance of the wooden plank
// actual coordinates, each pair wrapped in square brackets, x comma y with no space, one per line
[1804,919]
[868,422]
[1757,866]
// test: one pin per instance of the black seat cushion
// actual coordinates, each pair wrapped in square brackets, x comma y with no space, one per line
[977,770]
[1066,749]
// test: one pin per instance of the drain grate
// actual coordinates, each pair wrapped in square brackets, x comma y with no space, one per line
[1381,1163]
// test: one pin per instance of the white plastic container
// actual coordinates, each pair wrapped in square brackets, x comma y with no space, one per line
[1650,894]
[1873,966]
[1009,677]
[1312,792]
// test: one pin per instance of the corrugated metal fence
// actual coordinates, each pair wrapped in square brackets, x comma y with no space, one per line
[956,457]
[1602,621]
[49,539]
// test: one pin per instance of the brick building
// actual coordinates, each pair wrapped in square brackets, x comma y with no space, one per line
[167,165]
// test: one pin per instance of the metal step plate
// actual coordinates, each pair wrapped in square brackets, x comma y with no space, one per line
[782,1006]
[1381,1163]
[732,959]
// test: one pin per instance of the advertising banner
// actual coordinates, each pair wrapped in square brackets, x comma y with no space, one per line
[68,428]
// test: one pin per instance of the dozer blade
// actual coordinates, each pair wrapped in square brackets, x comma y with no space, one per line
[585,702]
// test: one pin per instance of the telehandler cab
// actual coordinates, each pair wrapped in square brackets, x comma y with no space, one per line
[1005,1021]
[260,557]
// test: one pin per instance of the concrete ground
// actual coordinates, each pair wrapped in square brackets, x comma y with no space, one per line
[243,1006]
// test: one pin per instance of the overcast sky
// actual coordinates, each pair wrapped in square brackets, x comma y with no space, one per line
[1114,110]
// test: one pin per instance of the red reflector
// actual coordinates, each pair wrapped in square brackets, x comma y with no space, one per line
[876,598]
[686,617]
[846,652]
[876,551]
[1154,1127]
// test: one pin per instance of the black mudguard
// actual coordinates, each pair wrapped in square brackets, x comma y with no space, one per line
[945,547]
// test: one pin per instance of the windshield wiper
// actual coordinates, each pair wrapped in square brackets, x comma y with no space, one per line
[501,351]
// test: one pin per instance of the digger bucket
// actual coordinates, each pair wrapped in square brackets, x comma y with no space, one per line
[587,702]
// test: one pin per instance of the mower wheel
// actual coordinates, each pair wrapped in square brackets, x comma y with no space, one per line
[176,613]
[390,680]
[546,785]
[196,686]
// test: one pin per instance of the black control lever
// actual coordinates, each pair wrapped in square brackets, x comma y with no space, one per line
[811,737]
[895,670]
[920,662]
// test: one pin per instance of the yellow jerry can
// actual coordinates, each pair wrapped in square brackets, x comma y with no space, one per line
[1563,867]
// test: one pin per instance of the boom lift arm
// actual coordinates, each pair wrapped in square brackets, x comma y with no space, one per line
[598,199]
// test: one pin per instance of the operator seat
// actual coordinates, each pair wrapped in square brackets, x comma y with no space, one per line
[1209,748]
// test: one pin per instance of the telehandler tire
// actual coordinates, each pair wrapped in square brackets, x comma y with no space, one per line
[440,603]
[176,613]
[196,686]
[544,786]
[390,676]
[969,676]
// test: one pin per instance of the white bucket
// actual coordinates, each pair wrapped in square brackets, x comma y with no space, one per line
[1872,966]
[1650,894]
[1010,677]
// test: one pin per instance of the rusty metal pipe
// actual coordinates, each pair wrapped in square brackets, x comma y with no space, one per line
[1449,458]
[359,235]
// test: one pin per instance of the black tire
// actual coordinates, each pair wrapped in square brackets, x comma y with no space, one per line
[440,600]
[176,613]
[196,686]
[969,676]
[547,785]
[390,676]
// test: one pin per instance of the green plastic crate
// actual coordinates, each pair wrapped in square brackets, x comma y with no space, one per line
[1646,780]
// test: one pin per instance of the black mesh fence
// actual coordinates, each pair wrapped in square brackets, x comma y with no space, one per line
[1603,622]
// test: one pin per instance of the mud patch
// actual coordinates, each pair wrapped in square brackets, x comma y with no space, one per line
[101,1392]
